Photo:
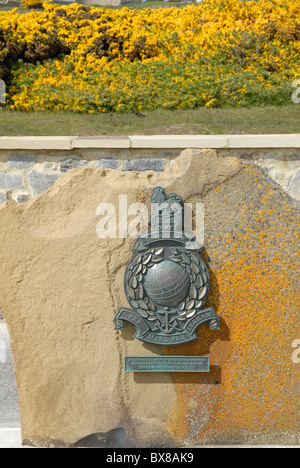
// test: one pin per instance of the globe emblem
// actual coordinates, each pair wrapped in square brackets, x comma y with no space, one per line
[167,283]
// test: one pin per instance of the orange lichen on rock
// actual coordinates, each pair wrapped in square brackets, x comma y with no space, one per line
[251,394]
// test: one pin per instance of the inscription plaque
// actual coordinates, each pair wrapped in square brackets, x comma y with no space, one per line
[167,364]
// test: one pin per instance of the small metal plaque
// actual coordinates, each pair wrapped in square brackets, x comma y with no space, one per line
[167,364]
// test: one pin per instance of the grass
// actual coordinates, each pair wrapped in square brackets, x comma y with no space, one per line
[12,7]
[198,121]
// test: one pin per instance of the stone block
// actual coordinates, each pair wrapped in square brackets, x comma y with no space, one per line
[145,164]
[107,163]
[40,181]
[72,163]
[21,161]
[3,197]
[10,181]
[51,165]
[22,197]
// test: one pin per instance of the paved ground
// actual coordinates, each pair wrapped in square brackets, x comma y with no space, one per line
[9,404]
[10,438]
[10,432]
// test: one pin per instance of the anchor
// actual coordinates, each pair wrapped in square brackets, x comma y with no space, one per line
[167,329]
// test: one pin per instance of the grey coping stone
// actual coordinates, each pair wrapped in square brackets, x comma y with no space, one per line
[72,163]
[9,403]
[10,181]
[21,161]
[147,164]
[41,182]
[3,198]
[107,163]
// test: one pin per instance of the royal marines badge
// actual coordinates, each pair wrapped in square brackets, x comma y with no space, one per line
[166,282]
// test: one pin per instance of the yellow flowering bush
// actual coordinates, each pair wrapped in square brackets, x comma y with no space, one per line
[89,59]
[32,3]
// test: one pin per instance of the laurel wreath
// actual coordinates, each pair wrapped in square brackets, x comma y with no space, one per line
[198,273]
[136,272]
[193,265]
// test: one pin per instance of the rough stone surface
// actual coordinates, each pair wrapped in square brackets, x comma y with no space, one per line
[72,164]
[294,183]
[3,197]
[283,169]
[107,163]
[21,161]
[10,181]
[145,165]
[40,182]
[23,197]
[61,287]
[51,165]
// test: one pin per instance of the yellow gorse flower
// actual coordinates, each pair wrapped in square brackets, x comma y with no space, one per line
[217,53]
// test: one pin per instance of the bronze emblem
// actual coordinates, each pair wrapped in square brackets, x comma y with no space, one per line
[166,282]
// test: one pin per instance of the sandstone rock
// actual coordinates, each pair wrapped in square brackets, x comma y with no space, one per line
[61,287]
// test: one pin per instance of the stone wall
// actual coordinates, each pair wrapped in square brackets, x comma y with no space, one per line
[26,173]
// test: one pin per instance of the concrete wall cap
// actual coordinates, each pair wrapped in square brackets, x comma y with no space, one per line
[264,141]
[178,141]
[151,141]
[102,142]
[37,142]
